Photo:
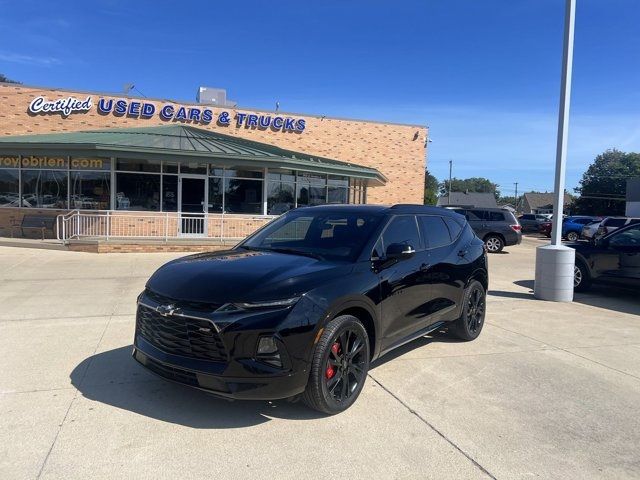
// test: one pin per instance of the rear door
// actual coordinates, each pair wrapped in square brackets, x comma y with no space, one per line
[403,287]
[441,275]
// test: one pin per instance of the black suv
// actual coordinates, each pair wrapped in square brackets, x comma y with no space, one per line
[497,227]
[305,303]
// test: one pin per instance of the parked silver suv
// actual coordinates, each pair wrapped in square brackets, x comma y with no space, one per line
[610,224]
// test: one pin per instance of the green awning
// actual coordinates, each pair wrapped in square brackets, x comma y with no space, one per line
[179,142]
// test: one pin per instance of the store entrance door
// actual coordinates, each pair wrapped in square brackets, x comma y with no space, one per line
[193,206]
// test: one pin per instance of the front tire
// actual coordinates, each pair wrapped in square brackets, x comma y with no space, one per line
[339,366]
[581,277]
[470,323]
[494,244]
[572,236]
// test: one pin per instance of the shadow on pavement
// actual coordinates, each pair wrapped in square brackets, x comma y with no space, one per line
[440,336]
[504,293]
[115,379]
[611,298]
[525,284]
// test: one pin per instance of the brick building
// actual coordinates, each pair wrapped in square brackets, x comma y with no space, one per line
[139,167]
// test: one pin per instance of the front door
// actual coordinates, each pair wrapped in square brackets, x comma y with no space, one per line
[193,206]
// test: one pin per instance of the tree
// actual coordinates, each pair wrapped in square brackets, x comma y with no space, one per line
[4,79]
[603,186]
[430,188]
[474,184]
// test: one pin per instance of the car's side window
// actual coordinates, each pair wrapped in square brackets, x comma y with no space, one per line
[476,215]
[434,231]
[628,238]
[454,228]
[402,229]
[496,216]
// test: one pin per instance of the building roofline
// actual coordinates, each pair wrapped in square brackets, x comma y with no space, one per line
[182,102]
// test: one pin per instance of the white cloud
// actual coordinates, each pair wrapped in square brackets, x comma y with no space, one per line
[28,59]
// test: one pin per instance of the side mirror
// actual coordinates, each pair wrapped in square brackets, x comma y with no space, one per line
[400,251]
[602,242]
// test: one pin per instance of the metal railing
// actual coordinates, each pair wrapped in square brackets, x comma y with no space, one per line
[117,224]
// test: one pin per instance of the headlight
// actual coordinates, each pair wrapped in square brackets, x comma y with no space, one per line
[230,307]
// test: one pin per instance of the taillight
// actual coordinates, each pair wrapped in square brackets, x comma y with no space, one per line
[516,228]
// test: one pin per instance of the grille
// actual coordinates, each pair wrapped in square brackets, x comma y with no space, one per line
[181,335]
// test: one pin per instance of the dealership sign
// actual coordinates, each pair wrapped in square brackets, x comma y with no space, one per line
[167,112]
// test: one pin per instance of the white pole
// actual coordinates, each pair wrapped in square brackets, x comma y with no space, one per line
[555,262]
[563,122]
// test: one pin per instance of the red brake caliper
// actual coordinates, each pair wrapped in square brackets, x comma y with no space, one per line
[331,370]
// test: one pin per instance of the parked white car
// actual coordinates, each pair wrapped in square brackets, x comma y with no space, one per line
[589,230]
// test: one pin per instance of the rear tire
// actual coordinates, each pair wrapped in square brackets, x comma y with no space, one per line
[470,323]
[339,366]
[581,277]
[494,243]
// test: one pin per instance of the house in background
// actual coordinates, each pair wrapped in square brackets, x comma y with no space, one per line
[468,200]
[633,198]
[542,202]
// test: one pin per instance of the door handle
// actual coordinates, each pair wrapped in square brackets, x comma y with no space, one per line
[425,267]
[462,253]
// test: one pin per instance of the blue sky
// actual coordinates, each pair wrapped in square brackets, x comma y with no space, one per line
[483,75]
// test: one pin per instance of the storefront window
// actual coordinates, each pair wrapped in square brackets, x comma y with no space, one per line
[135,165]
[137,192]
[243,173]
[9,187]
[311,189]
[242,196]
[169,167]
[338,189]
[44,162]
[280,197]
[194,167]
[90,190]
[44,189]
[216,188]
[169,193]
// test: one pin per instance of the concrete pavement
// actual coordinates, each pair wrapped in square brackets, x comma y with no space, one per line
[547,391]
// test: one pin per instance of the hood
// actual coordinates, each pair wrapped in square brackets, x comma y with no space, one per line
[242,276]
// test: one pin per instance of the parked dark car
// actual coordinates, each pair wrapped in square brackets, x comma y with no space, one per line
[497,227]
[613,259]
[610,224]
[302,306]
[545,228]
[530,222]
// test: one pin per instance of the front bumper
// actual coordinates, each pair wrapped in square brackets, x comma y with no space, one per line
[232,369]
[234,388]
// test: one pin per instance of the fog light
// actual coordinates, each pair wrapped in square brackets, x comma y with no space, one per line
[267,346]
[267,352]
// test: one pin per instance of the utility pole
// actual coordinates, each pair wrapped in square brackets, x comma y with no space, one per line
[516,183]
[555,262]
[450,168]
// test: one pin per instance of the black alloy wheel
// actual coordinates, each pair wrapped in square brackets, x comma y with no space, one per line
[339,366]
[470,323]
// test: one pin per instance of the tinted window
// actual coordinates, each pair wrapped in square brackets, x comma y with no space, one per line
[475,215]
[627,238]
[402,229]
[496,216]
[615,222]
[434,231]
[334,235]
[454,227]
[527,217]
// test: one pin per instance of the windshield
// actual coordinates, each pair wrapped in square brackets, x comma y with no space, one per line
[325,234]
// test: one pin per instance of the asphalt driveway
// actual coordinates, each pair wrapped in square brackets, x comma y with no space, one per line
[547,391]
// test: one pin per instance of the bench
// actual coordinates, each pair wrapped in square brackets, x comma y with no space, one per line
[35,222]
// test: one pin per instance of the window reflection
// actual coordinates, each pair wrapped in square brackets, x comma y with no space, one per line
[44,189]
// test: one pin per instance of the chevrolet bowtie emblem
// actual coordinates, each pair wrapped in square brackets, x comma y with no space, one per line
[166,310]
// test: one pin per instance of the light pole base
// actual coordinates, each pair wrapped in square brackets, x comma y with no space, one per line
[554,273]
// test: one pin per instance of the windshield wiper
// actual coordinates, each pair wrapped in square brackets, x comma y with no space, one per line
[294,251]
